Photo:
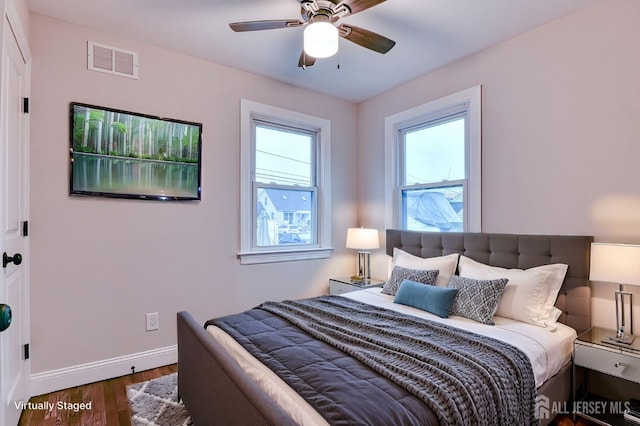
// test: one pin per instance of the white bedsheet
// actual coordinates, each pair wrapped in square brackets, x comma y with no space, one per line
[547,350]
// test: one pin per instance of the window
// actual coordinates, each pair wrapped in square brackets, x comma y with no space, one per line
[433,165]
[285,185]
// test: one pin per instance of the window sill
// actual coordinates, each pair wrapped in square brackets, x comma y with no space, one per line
[275,256]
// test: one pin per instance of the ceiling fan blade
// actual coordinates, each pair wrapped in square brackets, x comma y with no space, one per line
[305,60]
[360,5]
[265,25]
[366,38]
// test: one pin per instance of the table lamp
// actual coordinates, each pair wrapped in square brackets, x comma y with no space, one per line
[363,239]
[620,264]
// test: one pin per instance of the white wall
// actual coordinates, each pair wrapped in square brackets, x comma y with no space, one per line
[99,265]
[561,126]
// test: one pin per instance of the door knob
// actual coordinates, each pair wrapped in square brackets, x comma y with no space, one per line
[5,316]
[6,259]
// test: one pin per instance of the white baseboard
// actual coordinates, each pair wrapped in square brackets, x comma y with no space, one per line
[68,377]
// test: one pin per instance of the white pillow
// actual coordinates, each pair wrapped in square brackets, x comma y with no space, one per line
[445,264]
[557,272]
[529,295]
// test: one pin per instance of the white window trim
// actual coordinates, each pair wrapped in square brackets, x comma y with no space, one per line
[393,123]
[323,249]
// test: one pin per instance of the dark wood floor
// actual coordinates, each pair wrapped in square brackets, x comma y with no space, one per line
[109,404]
[567,421]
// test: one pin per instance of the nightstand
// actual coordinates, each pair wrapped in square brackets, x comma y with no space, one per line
[590,353]
[345,284]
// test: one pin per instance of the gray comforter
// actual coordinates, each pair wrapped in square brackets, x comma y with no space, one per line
[464,378]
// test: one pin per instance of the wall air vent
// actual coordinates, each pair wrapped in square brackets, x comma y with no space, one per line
[112,60]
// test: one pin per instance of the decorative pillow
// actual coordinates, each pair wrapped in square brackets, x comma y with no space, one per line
[530,294]
[477,299]
[445,264]
[398,274]
[430,298]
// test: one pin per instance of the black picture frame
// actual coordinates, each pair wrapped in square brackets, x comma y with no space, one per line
[123,154]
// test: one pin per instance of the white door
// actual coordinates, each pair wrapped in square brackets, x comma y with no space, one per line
[14,186]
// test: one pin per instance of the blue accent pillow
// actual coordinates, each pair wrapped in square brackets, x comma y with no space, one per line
[437,300]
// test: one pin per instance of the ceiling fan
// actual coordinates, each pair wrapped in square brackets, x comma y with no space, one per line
[316,14]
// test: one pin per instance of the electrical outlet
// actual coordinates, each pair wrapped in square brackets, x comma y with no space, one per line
[152,321]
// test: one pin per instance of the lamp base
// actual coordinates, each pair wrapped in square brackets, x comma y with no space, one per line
[621,337]
[623,340]
[364,265]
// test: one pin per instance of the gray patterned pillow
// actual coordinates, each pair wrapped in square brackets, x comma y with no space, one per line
[477,299]
[399,274]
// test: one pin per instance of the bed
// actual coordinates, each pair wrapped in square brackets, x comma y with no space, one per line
[217,390]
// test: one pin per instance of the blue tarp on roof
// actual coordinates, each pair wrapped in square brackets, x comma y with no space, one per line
[432,209]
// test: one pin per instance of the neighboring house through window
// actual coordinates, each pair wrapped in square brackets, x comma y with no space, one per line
[433,179]
[285,185]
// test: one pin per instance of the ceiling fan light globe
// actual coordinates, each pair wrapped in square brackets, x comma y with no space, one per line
[321,40]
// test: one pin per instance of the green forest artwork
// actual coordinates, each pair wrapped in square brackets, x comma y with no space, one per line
[123,154]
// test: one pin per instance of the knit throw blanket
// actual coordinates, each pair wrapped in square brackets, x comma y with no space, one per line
[465,378]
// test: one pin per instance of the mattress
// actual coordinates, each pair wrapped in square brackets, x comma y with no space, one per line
[547,350]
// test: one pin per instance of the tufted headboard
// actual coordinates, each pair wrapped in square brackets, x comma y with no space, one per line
[515,251]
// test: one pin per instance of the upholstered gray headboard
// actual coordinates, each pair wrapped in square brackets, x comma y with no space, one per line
[515,251]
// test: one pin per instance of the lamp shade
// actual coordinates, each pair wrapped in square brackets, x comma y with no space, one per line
[321,39]
[615,263]
[362,238]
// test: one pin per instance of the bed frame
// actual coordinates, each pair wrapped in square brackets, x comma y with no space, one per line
[216,391]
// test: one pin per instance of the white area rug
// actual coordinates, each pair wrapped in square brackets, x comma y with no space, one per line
[155,403]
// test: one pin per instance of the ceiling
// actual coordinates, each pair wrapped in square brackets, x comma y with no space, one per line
[428,35]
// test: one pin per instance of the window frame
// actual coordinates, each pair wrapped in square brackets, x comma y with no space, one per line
[250,252]
[467,102]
